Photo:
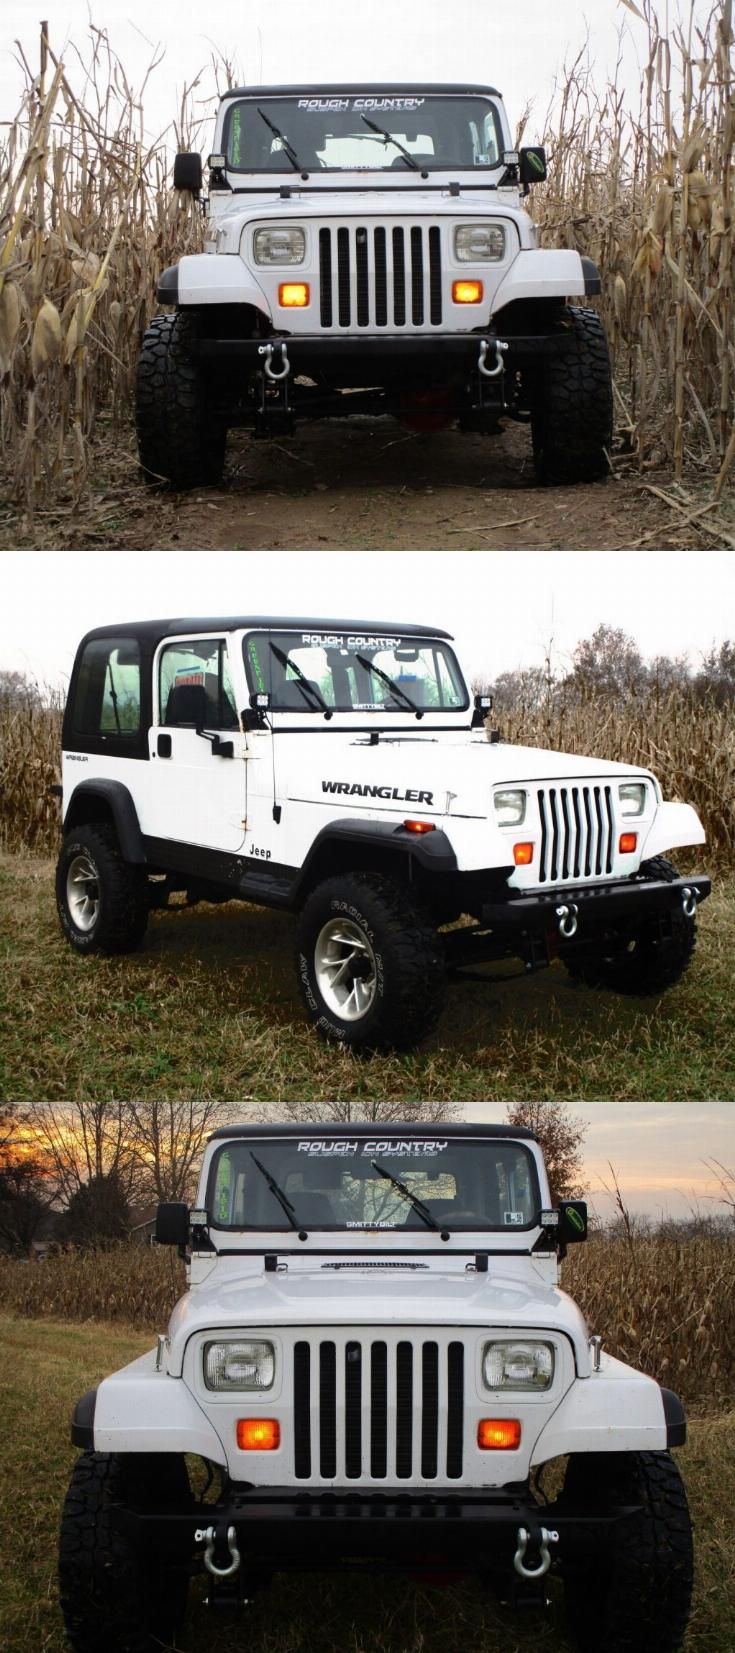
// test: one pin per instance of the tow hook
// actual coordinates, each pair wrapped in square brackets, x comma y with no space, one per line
[207,1536]
[689,902]
[545,1538]
[491,372]
[266,350]
[568,917]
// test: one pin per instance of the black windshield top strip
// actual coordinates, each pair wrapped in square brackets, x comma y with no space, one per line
[350,1251]
[361,189]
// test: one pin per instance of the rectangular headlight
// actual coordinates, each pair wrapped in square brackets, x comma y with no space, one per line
[518,1365]
[632,797]
[239,1365]
[280,245]
[479,243]
[510,807]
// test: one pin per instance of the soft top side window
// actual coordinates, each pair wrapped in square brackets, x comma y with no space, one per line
[106,697]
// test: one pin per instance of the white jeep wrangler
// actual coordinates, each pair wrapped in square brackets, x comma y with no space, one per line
[340,770]
[367,251]
[375,1362]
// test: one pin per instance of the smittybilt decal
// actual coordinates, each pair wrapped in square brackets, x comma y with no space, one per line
[360,789]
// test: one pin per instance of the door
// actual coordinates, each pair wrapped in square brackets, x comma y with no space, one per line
[197,752]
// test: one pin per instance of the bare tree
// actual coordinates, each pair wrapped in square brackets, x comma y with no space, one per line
[82,1140]
[167,1139]
[386,1113]
[25,1196]
[561,1135]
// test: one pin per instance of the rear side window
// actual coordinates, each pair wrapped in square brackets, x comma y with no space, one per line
[105,706]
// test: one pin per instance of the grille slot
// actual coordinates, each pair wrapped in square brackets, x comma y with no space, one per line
[380,1410]
[370,275]
[577,832]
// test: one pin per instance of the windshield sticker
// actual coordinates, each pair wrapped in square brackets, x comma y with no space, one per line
[328,106]
[359,789]
[323,640]
[407,1149]
[513,1218]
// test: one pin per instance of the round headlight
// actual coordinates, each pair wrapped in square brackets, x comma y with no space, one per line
[279,245]
[518,1365]
[239,1365]
[510,807]
[479,243]
[632,795]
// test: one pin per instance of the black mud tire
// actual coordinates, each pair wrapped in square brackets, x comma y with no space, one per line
[121,892]
[410,976]
[650,965]
[634,1596]
[179,440]
[116,1597]
[572,406]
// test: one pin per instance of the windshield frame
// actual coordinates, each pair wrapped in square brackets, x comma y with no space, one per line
[390,173]
[372,712]
[398,1235]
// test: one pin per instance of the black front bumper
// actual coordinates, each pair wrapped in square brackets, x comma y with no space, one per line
[307,350]
[597,905]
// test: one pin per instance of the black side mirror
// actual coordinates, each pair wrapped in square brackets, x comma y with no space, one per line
[483,705]
[572,1221]
[172,1224]
[532,165]
[188,171]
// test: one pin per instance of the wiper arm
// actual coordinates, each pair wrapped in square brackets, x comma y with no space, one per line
[305,686]
[398,693]
[388,138]
[282,1198]
[288,148]
[422,1210]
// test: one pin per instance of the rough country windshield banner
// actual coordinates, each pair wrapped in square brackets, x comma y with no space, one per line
[334,131]
[338,1182]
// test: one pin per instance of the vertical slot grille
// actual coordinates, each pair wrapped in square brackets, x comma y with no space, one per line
[382,1412]
[577,832]
[365,279]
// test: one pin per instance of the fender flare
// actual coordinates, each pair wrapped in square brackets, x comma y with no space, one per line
[617,1409]
[546,272]
[432,851]
[82,1421]
[216,278]
[140,1409]
[124,815]
[674,826]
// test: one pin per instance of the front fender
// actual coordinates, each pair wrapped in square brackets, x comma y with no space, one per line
[673,826]
[217,278]
[141,1410]
[542,273]
[614,1410]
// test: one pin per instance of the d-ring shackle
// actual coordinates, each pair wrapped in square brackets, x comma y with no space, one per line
[209,1561]
[689,902]
[491,372]
[524,1538]
[267,351]
[568,917]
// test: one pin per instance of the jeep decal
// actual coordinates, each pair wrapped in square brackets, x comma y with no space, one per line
[361,789]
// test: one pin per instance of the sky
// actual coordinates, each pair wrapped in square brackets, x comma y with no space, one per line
[657,1149]
[504,608]
[323,40]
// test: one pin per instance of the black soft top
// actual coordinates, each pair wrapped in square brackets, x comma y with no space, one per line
[374,1128]
[335,89]
[196,623]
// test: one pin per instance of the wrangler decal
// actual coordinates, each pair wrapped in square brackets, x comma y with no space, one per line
[361,789]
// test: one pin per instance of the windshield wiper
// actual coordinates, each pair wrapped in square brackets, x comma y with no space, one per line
[288,148]
[304,683]
[399,693]
[282,1198]
[388,138]
[422,1210]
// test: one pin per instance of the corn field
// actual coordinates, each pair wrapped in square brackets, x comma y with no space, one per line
[689,744]
[88,219]
[666,1305]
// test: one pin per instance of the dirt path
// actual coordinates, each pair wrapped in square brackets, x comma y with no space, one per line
[359,486]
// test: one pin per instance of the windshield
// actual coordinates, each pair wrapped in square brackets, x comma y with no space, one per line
[340,672]
[332,134]
[340,1183]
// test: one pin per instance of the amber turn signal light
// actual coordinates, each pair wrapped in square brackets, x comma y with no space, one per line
[258,1434]
[499,1434]
[627,842]
[419,826]
[293,295]
[523,854]
[467,292]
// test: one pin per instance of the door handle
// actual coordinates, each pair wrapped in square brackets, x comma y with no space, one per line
[164,746]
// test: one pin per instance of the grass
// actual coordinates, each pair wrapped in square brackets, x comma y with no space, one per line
[48,1364]
[210,1008]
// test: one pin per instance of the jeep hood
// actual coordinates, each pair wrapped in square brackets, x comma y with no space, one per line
[319,1297]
